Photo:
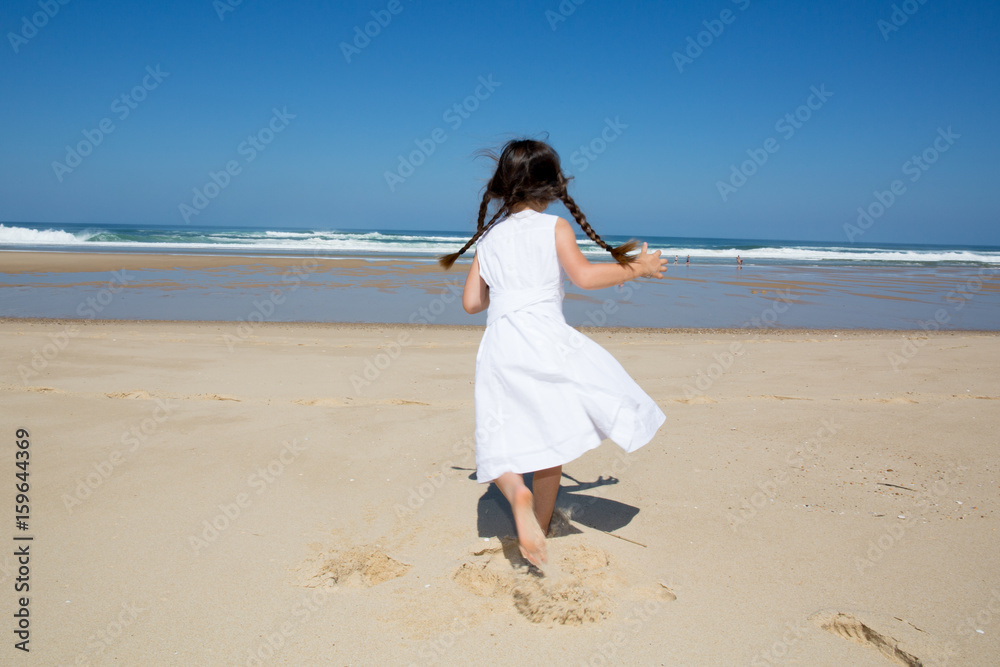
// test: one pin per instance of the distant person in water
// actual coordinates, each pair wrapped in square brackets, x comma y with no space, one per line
[688,260]
[739,262]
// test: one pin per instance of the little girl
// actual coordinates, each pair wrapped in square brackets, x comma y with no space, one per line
[544,393]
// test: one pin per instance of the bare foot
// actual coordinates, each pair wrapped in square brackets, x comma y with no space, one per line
[529,534]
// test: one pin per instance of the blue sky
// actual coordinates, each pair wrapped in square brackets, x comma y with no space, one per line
[651,138]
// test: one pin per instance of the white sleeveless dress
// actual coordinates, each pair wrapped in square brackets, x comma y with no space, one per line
[545,393]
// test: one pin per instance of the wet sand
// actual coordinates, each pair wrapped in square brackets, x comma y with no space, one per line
[407,290]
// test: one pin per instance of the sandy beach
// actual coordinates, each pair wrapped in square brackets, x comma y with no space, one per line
[239,247]
[301,494]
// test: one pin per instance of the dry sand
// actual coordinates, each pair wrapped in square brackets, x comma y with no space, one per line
[202,495]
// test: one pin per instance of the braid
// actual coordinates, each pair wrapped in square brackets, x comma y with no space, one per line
[482,209]
[620,253]
[447,260]
[581,220]
[528,172]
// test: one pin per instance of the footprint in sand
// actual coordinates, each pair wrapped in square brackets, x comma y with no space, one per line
[324,402]
[574,590]
[360,567]
[774,397]
[697,400]
[898,640]
[217,397]
[137,395]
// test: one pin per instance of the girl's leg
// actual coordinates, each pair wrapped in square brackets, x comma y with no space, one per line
[545,486]
[530,536]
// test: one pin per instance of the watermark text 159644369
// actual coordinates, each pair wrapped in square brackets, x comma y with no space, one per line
[22,543]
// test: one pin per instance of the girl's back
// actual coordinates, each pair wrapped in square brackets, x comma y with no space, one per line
[519,253]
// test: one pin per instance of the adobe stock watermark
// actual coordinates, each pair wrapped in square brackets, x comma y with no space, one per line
[901,13]
[594,318]
[377,363]
[223,7]
[767,490]
[565,9]
[41,357]
[786,126]
[264,309]
[724,361]
[587,153]
[778,649]
[599,317]
[895,532]
[89,308]
[914,168]
[229,513]
[363,35]
[30,25]
[634,620]
[248,149]
[454,116]
[972,625]
[299,614]
[104,638]
[714,28]
[92,306]
[465,447]
[958,298]
[122,107]
[130,440]
[940,654]
[434,649]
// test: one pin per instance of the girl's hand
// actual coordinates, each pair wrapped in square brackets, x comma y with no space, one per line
[649,264]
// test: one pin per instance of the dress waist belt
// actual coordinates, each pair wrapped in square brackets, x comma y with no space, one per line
[507,302]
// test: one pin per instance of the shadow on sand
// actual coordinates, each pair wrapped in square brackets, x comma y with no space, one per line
[496,520]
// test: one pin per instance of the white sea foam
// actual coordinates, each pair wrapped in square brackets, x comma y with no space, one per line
[25,236]
[429,245]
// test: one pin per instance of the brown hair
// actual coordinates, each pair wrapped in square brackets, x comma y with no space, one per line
[529,171]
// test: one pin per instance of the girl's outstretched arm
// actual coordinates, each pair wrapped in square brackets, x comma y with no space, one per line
[603,274]
[476,297]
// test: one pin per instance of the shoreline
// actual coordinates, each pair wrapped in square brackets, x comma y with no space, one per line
[78,261]
[97,260]
[403,326]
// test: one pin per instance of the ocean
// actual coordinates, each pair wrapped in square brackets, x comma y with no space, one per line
[430,244]
[244,275]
